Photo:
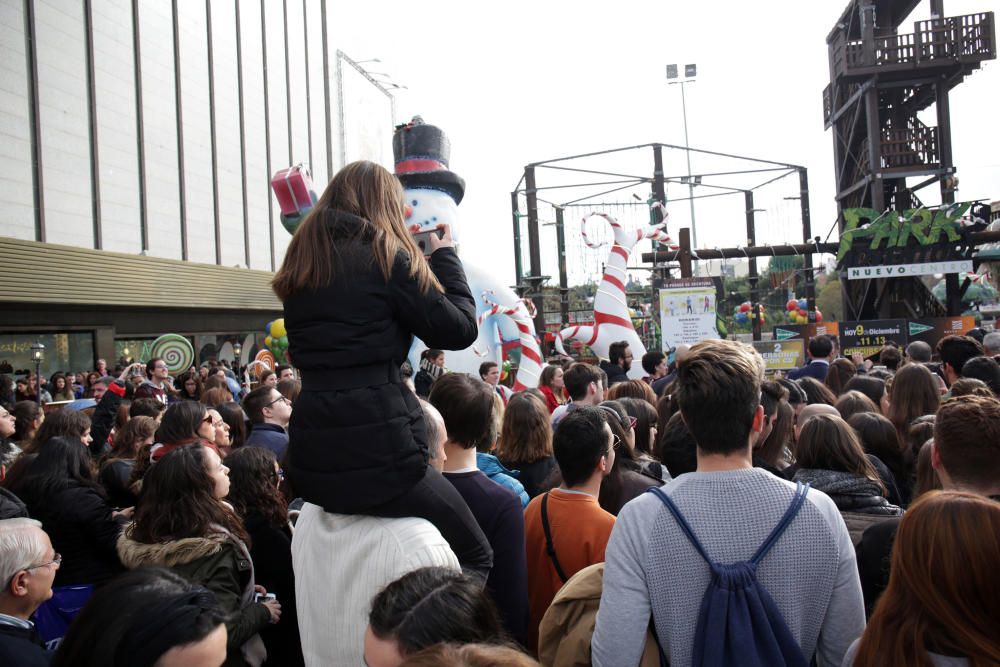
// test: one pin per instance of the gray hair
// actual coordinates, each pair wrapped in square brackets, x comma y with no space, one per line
[20,546]
[991,342]
[919,351]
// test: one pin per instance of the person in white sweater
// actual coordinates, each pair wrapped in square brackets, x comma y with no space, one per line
[341,562]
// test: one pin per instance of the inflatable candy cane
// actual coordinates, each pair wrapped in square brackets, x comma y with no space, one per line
[612,319]
[530,369]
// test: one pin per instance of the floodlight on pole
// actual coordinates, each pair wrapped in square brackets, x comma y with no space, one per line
[690,72]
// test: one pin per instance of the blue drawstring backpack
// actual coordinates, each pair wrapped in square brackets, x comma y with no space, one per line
[739,623]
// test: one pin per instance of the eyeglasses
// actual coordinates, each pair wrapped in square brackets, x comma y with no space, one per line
[615,442]
[159,368]
[57,561]
[280,398]
[632,421]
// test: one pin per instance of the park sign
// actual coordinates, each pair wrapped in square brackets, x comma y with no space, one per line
[897,240]
[871,336]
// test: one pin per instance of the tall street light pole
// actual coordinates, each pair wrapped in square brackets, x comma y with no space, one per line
[690,72]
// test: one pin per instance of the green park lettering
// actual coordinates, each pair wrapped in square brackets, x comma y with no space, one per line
[924,226]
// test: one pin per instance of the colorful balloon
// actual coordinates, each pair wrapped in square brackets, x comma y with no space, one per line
[792,305]
[278,328]
[745,306]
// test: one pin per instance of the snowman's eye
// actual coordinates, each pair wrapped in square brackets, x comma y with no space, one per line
[414,202]
[434,219]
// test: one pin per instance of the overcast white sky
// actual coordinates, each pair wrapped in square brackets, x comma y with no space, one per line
[519,82]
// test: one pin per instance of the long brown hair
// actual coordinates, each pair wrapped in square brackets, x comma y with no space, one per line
[912,393]
[840,373]
[827,442]
[366,190]
[128,439]
[943,594]
[526,434]
[253,486]
[178,500]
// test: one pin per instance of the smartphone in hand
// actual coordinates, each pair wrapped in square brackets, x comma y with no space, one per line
[423,240]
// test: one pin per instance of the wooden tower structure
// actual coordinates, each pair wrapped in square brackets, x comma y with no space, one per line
[882,74]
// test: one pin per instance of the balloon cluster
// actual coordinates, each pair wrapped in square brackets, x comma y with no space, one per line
[743,313]
[798,313]
[505,370]
[276,340]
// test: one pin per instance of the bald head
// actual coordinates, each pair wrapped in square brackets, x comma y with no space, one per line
[811,411]
[437,434]
[681,353]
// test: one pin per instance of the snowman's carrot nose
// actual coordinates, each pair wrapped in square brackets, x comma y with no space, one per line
[407,211]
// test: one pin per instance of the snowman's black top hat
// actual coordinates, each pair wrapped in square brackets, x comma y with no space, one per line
[421,154]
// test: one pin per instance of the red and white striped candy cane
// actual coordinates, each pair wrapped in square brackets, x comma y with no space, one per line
[530,369]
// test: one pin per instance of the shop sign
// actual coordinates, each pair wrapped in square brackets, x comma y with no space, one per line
[899,270]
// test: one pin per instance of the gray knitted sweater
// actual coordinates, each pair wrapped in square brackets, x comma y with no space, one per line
[652,568]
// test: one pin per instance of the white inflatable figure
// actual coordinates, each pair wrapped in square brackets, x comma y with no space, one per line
[432,194]
[612,317]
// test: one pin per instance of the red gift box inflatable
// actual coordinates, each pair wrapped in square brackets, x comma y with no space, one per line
[292,187]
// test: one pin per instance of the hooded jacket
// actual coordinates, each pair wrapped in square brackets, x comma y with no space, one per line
[490,466]
[221,564]
[567,627]
[859,499]
[357,438]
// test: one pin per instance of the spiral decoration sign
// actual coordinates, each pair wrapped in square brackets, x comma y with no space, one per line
[175,350]
[266,359]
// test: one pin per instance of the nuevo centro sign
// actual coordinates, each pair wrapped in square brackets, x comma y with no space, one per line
[897,270]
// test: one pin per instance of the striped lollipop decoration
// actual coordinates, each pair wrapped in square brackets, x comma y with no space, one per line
[175,350]
[266,358]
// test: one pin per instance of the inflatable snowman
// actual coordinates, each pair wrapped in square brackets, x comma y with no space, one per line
[432,195]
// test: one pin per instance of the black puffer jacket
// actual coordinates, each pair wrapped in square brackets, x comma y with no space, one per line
[357,437]
[78,520]
[851,493]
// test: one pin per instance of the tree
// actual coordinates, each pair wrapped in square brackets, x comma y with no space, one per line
[829,300]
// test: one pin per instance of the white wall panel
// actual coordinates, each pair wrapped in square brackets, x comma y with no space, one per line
[280,156]
[317,105]
[160,121]
[197,135]
[258,179]
[227,132]
[16,193]
[117,146]
[297,83]
[62,92]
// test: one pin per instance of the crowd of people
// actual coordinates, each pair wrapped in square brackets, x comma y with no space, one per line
[350,511]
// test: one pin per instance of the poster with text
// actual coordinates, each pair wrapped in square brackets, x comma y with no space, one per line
[871,336]
[687,311]
[781,355]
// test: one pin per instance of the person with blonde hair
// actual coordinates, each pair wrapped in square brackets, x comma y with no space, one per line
[943,600]
[356,290]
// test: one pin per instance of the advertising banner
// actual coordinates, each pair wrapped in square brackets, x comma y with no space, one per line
[782,355]
[932,329]
[687,311]
[806,331]
[897,270]
[871,336]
